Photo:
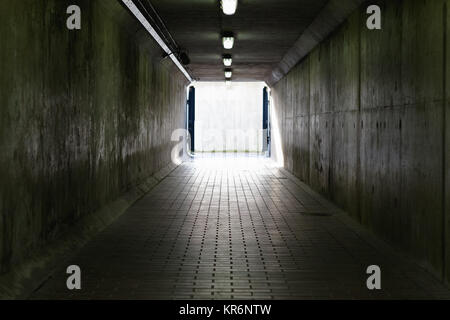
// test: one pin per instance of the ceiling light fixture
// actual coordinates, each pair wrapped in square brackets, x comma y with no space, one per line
[138,14]
[228,40]
[227,60]
[229,6]
[228,73]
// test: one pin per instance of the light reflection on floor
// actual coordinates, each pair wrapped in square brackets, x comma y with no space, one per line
[233,161]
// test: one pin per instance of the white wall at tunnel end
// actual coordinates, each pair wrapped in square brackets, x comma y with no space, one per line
[229,116]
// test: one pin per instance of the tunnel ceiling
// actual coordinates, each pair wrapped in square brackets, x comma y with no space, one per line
[265,30]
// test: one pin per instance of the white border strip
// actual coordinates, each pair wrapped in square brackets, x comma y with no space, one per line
[137,13]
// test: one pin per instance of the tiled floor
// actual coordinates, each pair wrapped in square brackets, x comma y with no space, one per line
[235,229]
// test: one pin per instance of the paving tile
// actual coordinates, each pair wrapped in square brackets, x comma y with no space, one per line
[238,228]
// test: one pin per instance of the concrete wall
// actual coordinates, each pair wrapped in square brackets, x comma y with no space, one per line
[365,122]
[84,116]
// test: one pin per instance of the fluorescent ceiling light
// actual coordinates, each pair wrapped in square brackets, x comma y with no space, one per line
[229,6]
[227,61]
[228,42]
[137,13]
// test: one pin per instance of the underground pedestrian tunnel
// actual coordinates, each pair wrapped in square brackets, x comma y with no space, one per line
[343,195]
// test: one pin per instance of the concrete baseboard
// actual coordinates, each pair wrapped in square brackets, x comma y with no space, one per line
[25,278]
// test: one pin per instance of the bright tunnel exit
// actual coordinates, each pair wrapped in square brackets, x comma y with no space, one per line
[229,117]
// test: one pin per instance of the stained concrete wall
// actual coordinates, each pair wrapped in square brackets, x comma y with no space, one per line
[84,116]
[365,121]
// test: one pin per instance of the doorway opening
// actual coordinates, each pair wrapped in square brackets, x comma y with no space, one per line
[229,118]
